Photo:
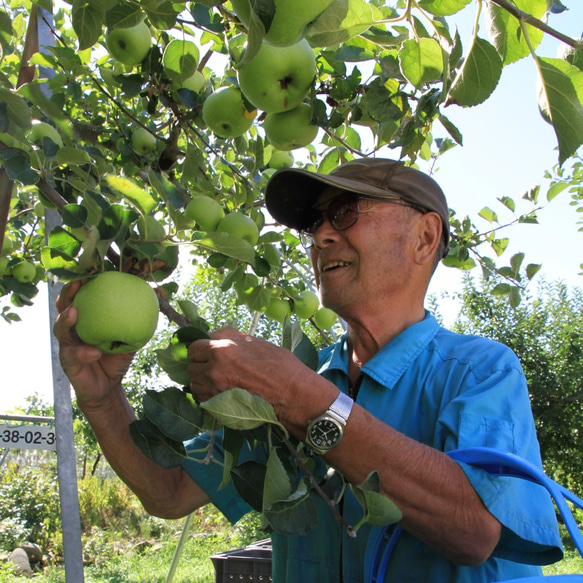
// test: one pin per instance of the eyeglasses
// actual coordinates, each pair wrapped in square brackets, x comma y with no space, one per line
[342,213]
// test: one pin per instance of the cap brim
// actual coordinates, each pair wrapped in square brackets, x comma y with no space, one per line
[293,192]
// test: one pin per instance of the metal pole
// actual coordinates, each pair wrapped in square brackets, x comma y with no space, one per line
[65,441]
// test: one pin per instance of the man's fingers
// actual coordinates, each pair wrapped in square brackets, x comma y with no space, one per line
[67,294]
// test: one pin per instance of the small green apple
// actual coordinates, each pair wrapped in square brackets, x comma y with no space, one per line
[278,309]
[7,246]
[280,159]
[325,318]
[205,211]
[225,113]
[129,45]
[143,142]
[305,304]
[40,130]
[290,19]
[117,312]
[195,82]
[278,78]
[24,271]
[240,225]
[4,268]
[289,130]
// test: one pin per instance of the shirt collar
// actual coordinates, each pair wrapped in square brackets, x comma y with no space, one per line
[392,360]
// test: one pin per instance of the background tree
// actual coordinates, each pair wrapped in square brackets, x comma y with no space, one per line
[546,332]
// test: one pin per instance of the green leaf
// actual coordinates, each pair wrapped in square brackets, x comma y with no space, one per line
[561,103]
[421,61]
[532,269]
[465,263]
[155,445]
[489,215]
[478,76]
[502,289]
[341,21]
[127,188]
[516,262]
[232,444]
[500,245]
[162,13]
[124,15]
[506,33]
[277,485]
[229,245]
[16,109]
[443,7]
[68,155]
[88,19]
[508,203]
[294,516]
[17,165]
[248,479]
[378,509]
[74,216]
[294,339]
[174,413]
[180,59]
[239,409]
[556,189]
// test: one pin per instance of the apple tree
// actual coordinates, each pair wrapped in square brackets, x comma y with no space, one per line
[139,135]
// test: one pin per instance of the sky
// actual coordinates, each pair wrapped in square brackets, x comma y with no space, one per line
[506,149]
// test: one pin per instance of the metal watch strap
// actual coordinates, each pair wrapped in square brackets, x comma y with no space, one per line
[341,407]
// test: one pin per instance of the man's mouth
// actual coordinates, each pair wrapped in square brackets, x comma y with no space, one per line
[334,265]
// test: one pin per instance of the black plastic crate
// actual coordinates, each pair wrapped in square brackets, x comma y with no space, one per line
[251,564]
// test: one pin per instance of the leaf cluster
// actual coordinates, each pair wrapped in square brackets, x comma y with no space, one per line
[282,475]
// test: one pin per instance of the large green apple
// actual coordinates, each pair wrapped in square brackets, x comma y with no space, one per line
[206,211]
[225,113]
[143,142]
[240,225]
[290,19]
[289,130]
[278,78]
[129,45]
[117,312]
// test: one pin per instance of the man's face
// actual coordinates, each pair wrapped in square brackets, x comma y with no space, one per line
[363,266]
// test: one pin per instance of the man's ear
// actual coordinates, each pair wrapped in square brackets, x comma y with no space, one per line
[430,229]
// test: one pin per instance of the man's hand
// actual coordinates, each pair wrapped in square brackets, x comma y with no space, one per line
[232,359]
[93,374]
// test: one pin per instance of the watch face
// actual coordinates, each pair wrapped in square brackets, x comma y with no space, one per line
[325,433]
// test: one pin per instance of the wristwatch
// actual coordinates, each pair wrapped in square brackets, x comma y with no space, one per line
[325,431]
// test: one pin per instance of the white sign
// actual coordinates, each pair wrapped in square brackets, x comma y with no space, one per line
[27,437]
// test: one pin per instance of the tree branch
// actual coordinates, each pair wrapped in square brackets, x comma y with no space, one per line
[530,19]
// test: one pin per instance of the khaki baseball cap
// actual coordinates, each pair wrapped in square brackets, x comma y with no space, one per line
[292,192]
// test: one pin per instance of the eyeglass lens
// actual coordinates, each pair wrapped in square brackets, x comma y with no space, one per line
[342,213]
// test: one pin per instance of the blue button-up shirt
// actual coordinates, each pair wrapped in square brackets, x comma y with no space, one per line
[447,391]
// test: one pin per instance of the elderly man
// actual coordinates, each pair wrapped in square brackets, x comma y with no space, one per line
[394,394]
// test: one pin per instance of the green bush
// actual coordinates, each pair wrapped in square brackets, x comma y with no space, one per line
[29,507]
